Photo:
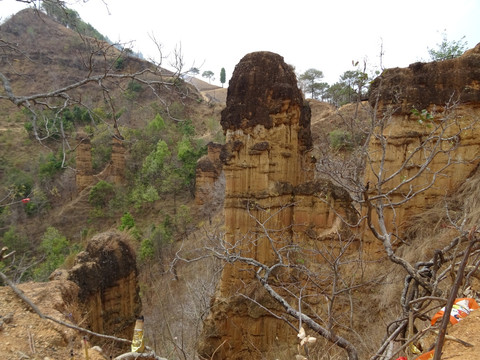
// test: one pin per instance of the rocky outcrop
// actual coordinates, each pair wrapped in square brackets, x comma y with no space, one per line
[436,100]
[118,163]
[209,168]
[426,114]
[114,172]
[106,275]
[423,85]
[83,159]
[99,293]
[269,176]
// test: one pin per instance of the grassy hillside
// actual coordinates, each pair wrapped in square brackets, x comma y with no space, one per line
[149,108]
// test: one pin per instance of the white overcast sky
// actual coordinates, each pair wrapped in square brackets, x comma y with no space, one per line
[325,35]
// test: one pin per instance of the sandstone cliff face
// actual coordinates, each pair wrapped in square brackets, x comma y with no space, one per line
[269,180]
[423,85]
[448,93]
[106,275]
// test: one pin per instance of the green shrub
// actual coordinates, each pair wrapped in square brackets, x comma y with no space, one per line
[20,182]
[77,114]
[38,203]
[147,250]
[157,124]
[340,140]
[186,128]
[55,248]
[126,222]
[134,86]
[183,218]
[161,236]
[15,241]
[96,213]
[29,127]
[142,194]
[49,166]
[119,63]
[101,193]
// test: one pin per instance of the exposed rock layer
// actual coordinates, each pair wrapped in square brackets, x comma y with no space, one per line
[118,163]
[84,173]
[106,275]
[267,165]
[423,85]
[208,170]
[100,293]
[448,93]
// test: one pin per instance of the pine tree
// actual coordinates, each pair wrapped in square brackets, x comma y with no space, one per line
[222,76]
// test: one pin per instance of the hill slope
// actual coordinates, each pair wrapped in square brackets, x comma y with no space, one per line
[43,56]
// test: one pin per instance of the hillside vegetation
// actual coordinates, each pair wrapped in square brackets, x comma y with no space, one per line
[163,122]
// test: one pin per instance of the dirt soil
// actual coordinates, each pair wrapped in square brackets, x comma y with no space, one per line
[467,330]
[24,335]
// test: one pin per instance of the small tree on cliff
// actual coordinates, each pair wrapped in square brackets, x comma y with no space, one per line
[447,49]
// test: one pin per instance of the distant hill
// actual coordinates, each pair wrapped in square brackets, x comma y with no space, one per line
[210,92]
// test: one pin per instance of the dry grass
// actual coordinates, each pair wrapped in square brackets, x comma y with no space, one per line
[435,227]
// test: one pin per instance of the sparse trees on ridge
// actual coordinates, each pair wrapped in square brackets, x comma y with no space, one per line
[194,71]
[351,87]
[209,75]
[310,81]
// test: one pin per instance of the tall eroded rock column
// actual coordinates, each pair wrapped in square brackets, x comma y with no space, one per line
[267,128]
[83,159]
[118,160]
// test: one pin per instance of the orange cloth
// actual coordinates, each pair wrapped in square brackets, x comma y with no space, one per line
[426,356]
[461,308]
